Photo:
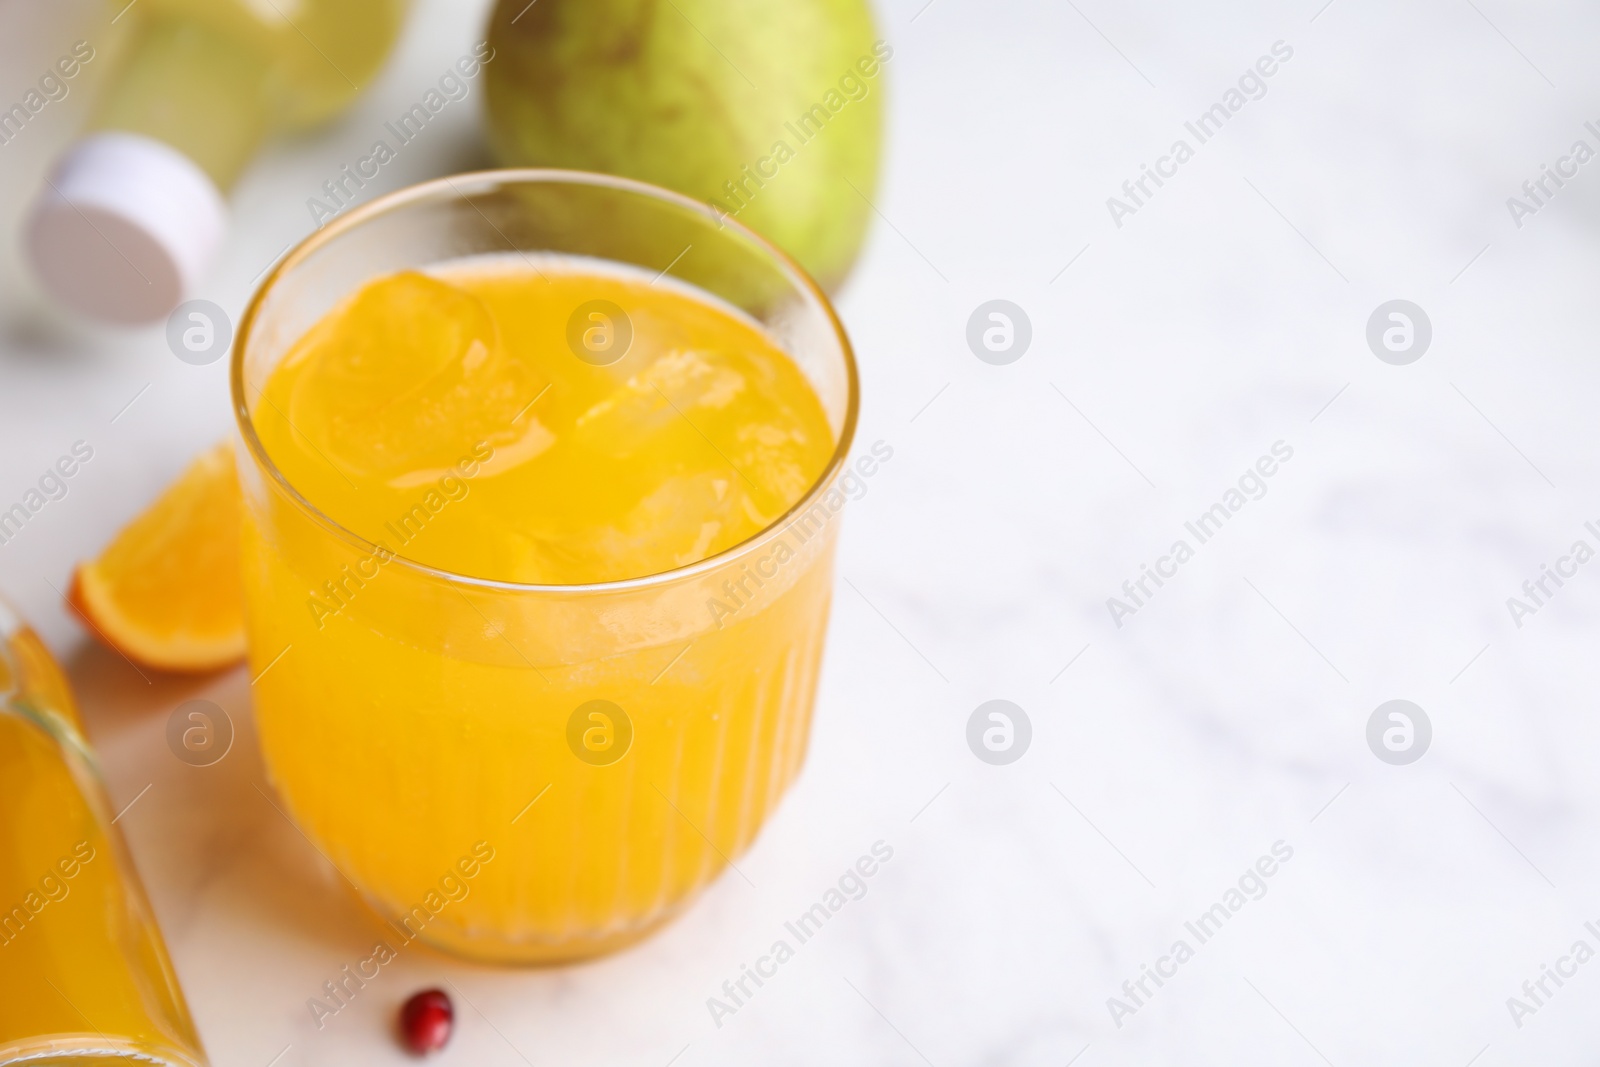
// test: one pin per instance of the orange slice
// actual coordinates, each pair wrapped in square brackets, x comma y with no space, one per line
[166,592]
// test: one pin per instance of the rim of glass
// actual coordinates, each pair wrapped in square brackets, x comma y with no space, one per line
[453,186]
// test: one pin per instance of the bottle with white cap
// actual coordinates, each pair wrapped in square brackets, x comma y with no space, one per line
[127,222]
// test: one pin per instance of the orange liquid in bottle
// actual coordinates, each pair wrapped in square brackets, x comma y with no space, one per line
[82,966]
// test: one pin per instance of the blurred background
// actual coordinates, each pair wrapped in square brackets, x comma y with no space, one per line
[1175,338]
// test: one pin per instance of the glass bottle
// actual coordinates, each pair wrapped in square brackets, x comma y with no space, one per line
[84,975]
[135,209]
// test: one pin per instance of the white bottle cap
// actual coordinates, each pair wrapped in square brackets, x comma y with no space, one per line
[124,228]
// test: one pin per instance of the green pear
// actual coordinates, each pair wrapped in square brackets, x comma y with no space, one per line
[770,112]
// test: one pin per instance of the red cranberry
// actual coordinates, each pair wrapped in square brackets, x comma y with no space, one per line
[426,1020]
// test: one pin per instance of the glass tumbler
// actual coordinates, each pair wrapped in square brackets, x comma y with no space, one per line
[518,772]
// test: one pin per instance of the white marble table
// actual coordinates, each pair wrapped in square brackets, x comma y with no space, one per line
[1170,753]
